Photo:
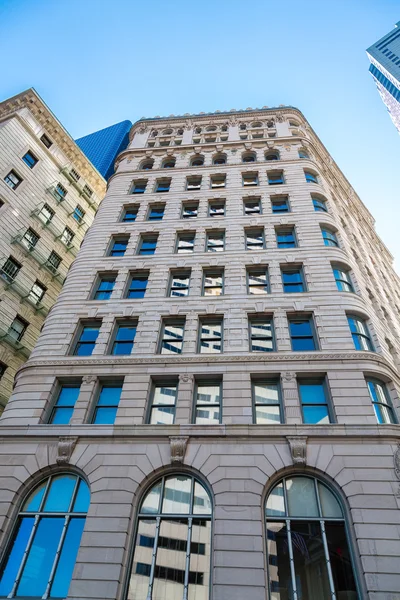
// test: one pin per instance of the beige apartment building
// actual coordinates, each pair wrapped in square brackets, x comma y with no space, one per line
[211,410]
[49,194]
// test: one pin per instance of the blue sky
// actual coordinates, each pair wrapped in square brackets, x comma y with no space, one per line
[97,62]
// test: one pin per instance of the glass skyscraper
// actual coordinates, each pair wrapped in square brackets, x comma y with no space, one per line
[102,147]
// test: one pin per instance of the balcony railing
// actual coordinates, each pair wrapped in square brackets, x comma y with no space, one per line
[80,185]
[19,346]
[56,272]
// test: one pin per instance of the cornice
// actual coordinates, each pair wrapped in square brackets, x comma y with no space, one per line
[31,100]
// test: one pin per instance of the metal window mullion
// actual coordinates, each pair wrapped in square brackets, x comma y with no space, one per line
[154,554]
[57,556]
[328,561]
[188,546]
[291,559]
[24,557]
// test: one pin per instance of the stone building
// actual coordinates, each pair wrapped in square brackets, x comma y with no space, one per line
[49,194]
[211,409]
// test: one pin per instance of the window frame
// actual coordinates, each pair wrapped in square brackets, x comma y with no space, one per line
[174,322]
[251,270]
[281,199]
[291,269]
[157,382]
[61,385]
[187,203]
[319,204]
[208,381]
[216,202]
[285,230]
[358,334]
[99,280]
[31,164]
[176,273]
[332,238]
[117,239]
[271,175]
[182,236]
[96,407]
[254,248]
[10,182]
[129,209]
[209,272]
[314,380]
[137,274]
[246,177]
[261,319]
[388,404]
[254,200]
[25,324]
[17,266]
[147,237]
[137,185]
[219,234]
[343,282]
[155,206]
[314,336]
[210,321]
[217,181]
[193,183]
[256,380]
[76,344]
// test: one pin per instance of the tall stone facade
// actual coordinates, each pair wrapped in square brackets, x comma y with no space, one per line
[49,194]
[227,340]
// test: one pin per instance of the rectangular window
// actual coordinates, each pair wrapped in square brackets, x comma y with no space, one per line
[252,206]
[275,178]
[124,338]
[172,336]
[65,404]
[261,334]
[107,404]
[216,208]
[137,284]
[163,403]
[18,328]
[129,214]
[343,279]
[267,401]
[257,280]
[139,186]
[87,339]
[249,179]
[381,401]
[310,177]
[118,246]
[46,214]
[67,236]
[147,245]
[190,210]
[179,284]
[193,183]
[87,190]
[37,292]
[78,214]
[215,241]
[75,175]
[105,287]
[213,282]
[46,141]
[217,181]
[293,280]
[207,403]
[59,192]
[360,333]
[210,336]
[285,237]
[329,237]
[53,262]
[319,204]
[280,205]
[302,334]
[163,185]
[30,239]
[185,243]
[12,180]
[314,401]
[30,159]
[156,212]
[10,269]
[3,368]
[254,239]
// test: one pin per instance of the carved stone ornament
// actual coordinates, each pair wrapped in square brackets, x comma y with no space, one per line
[280,118]
[65,449]
[89,379]
[298,449]
[289,375]
[178,447]
[185,378]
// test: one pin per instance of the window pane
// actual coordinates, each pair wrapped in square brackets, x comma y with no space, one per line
[89,334]
[104,416]
[302,501]
[162,415]
[201,501]
[126,333]
[82,499]
[211,330]
[339,555]
[151,502]
[15,554]
[276,502]
[110,396]
[164,395]
[267,415]
[32,504]
[312,393]
[66,563]
[200,552]
[316,414]
[169,575]
[208,394]
[140,576]
[207,415]
[280,582]
[177,491]
[309,560]
[41,556]
[60,493]
[303,344]
[384,414]
[329,505]
[68,396]
[61,416]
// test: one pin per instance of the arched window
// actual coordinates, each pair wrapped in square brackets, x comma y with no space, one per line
[168,163]
[293,123]
[211,128]
[243,127]
[311,177]
[197,130]
[172,552]
[308,551]
[303,153]
[197,161]
[167,132]
[42,554]
[272,155]
[248,157]
[146,165]
[256,124]
[219,159]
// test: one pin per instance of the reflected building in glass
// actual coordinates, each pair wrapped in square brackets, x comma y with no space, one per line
[211,410]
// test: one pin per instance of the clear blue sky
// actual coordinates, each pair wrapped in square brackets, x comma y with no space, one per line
[97,62]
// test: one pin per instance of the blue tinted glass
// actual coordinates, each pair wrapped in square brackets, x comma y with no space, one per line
[66,564]
[15,555]
[40,559]
[110,396]
[105,416]
[120,246]
[122,348]
[126,333]
[32,504]
[315,414]
[68,396]
[60,493]
[82,499]
[89,334]
[84,349]
[62,416]
[136,294]
[299,344]
[294,277]
[312,393]
[107,285]
[296,287]
[138,282]
[300,328]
